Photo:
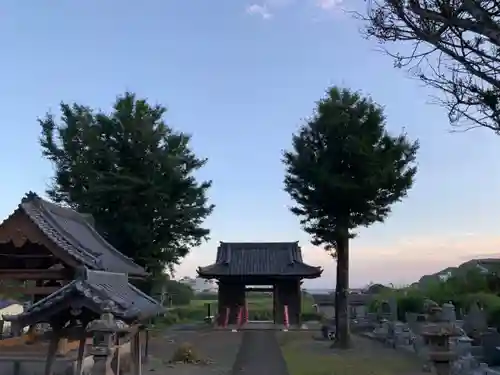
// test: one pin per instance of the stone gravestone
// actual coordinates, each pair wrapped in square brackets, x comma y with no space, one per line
[328,328]
[381,331]
[448,313]
[384,311]
[475,323]
[403,334]
[422,352]
[393,308]
[416,321]
[490,342]
[463,346]
[393,329]
[465,365]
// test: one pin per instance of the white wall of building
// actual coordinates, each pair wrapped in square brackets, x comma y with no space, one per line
[13,309]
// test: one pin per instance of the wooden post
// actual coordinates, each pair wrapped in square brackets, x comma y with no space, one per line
[51,355]
[30,335]
[295,319]
[81,352]
[136,355]
[139,353]
[279,293]
[117,355]
[17,368]
[2,324]
[221,303]
[146,346]
[133,354]
[62,347]
[299,304]
[16,329]
[275,303]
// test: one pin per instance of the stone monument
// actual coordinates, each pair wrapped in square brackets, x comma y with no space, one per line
[104,332]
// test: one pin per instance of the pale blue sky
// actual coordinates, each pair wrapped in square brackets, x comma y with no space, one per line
[241,83]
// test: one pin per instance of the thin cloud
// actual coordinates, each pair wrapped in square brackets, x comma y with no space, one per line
[267,8]
[259,10]
[278,3]
[328,4]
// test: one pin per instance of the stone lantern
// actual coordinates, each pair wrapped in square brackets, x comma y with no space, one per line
[437,335]
[104,331]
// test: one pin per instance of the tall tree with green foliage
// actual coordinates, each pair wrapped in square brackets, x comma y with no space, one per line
[134,174]
[344,171]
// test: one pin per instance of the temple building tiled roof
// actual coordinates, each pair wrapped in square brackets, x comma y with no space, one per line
[259,259]
[74,234]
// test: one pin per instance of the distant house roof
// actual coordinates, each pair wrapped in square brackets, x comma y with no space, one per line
[354,299]
[73,233]
[92,289]
[259,259]
[375,289]
[324,299]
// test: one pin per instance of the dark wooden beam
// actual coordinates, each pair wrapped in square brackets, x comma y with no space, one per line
[29,290]
[33,274]
[255,289]
[28,249]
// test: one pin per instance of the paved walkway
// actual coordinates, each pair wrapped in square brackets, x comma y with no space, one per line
[259,354]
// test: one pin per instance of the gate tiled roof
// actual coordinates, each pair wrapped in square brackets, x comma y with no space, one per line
[259,259]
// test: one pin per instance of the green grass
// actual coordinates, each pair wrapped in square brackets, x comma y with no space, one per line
[254,303]
[260,308]
[306,357]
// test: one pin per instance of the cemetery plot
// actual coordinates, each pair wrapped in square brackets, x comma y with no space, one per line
[439,339]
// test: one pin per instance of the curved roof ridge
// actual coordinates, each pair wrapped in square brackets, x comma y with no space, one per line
[56,217]
[35,216]
[79,217]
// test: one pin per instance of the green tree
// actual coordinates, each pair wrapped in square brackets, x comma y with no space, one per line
[344,171]
[134,174]
[177,293]
[452,46]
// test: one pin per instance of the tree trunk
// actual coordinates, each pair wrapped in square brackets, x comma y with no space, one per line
[342,291]
[337,283]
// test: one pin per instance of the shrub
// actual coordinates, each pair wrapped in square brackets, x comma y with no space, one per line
[181,294]
[410,303]
[311,316]
[169,319]
[191,313]
[206,296]
[184,353]
[485,300]
[488,301]
[263,314]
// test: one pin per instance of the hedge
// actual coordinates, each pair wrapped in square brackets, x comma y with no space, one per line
[413,302]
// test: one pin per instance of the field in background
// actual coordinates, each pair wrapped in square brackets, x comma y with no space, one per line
[260,307]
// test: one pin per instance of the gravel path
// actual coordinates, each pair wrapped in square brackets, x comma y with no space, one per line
[259,354]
